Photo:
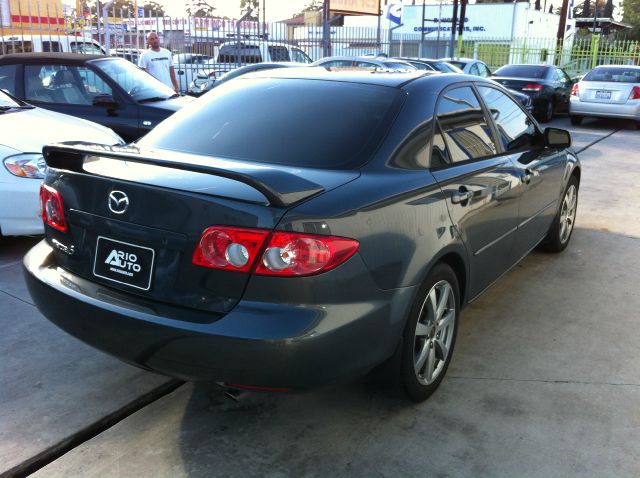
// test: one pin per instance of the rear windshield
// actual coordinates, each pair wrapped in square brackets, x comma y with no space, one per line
[614,75]
[523,71]
[303,123]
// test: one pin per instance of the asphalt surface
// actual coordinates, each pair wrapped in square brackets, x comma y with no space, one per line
[545,378]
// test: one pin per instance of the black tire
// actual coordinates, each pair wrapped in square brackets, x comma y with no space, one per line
[547,114]
[576,120]
[558,238]
[437,343]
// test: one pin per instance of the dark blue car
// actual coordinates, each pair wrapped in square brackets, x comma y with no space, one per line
[301,226]
[106,90]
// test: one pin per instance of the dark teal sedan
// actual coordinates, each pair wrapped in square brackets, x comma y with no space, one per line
[296,227]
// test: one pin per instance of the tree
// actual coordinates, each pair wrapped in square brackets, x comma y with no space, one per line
[537,5]
[254,5]
[608,9]
[200,8]
[631,15]
[313,6]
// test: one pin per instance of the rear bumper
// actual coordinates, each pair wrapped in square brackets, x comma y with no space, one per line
[629,110]
[256,344]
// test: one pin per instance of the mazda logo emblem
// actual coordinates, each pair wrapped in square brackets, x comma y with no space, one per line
[118,202]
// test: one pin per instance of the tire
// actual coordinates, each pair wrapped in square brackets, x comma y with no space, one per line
[561,229]
[576,120]
[430,333]
[547,115]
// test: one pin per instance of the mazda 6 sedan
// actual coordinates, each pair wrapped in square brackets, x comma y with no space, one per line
[364,212]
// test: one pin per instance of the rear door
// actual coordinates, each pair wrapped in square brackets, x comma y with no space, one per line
[480,183]
[540,170]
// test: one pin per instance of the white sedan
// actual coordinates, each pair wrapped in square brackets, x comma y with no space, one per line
[611,91]
[25,130]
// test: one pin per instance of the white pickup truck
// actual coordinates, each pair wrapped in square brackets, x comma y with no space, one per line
[234,54]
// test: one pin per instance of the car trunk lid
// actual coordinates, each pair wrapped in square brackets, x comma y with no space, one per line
[135,217]
[605,92]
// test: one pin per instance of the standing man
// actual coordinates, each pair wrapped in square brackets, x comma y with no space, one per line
[158,62]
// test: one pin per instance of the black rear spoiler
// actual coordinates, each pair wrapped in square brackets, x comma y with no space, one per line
[282,186]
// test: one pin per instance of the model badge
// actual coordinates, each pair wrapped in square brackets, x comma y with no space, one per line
[118,202]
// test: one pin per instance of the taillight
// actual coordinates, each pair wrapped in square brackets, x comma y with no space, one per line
[295,254]
[286,254]
[574,90]
[52,210]
[229,248]
[635,93]
[212,74]
[532,87]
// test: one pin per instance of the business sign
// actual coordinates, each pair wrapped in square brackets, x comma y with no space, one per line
[5,13]
[481,21]
[394,13]
[355,7]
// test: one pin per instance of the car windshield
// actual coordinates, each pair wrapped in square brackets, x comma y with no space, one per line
[135,81]
[6,101]
[523,71]
[445,67]
[458,64]
[302,123]
[614,75]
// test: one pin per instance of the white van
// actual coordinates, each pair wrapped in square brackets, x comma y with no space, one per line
[49,43]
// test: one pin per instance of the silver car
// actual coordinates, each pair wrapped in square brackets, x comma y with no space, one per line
[611,91]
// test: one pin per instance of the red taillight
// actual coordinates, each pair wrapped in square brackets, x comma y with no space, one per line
[574,90]
[294,254]
[532,87]
[286,254]
[52,210]
[212,74]
[635,93]
[229,248]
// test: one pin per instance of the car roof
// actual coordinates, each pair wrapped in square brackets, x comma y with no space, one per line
[55,57]
[633,67]
[394,79]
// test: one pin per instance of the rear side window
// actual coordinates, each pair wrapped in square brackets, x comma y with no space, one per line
[17,46]
[299,56]
[465,129]
[241,53]
[8,78]
[614,75]
[516,130]
[523,71]
[279,53]
[86,48]
[50,46]
[318,124]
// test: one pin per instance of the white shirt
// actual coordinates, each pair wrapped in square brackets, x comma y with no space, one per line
[157,63]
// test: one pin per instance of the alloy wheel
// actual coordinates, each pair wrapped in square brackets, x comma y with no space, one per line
[434,332]
[568,213]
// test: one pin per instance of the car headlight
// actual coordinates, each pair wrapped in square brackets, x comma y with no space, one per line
[26,165]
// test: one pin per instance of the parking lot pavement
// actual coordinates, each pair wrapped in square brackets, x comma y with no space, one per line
[52,386]
[545,380]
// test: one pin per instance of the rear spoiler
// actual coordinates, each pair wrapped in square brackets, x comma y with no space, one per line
[282,186]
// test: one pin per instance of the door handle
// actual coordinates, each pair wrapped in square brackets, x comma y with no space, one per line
[461,196]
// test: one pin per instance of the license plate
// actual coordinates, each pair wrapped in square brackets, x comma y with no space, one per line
[124,263]
[603,95]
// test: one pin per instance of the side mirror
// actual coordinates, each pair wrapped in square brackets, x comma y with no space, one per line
[557,138]
[105,101]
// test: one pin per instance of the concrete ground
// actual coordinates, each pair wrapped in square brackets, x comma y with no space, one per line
[545,379]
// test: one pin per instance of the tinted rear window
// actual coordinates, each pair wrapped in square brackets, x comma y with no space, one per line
[523,71]
[306,123]
[614,75]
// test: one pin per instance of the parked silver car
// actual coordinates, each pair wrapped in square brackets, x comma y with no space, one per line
[611,91]
[364,62]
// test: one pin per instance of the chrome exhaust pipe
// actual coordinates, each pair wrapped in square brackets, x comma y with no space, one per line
[235,395]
